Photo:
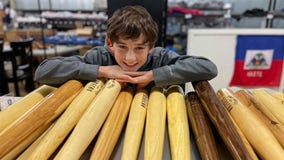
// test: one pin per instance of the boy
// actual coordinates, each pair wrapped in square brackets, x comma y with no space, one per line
[129,56]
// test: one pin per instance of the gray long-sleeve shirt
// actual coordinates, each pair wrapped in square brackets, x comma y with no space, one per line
[168,67]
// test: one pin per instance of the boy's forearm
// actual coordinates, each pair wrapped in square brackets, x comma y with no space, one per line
[177,74]
[58,71]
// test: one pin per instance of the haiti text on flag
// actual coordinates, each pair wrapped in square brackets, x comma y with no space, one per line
[258,61]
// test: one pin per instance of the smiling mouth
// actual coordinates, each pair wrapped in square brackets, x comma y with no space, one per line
[130,66]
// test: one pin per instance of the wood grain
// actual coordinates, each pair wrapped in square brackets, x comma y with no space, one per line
[155,125]
[275,126]
[113,125]
[26,154]
[44,112]
[271,103]
[200,125]
[264,142]
[66,121]
[15,152]
[17,109]
[178,125]
[135,126]
[90,122]
[279,95]
[221,120]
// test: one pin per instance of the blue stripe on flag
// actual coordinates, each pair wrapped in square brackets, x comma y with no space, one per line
[255,42]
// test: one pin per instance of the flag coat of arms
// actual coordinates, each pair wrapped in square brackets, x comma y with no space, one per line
[258,61]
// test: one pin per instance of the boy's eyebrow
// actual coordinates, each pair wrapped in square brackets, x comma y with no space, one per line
[119,42]
[140,44]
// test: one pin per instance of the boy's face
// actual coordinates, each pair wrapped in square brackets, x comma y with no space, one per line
[131,54]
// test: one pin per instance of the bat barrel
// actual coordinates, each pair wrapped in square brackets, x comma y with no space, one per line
[155,125]
[201,127]
[135,125]
[44,112]
[178,127]
[221,120]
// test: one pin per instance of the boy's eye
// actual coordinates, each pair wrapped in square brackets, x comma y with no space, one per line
[140,48]
[122,46]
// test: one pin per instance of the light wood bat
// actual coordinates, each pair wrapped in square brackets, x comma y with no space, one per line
[264,142]
[66,121]
[244,138]
[270,102]
[44,112]
[135,126]
[155,125]
[113,125]
[275,127]
[178,126]
[279,95]
[27,152]
[90,122]
[15,152]
[17,109]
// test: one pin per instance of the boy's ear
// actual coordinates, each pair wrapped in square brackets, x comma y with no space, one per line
[109,45]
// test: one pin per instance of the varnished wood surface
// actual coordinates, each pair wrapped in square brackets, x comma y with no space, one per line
[113,125]
[17,109]
[90,122]
[66,122]
[201,128]
[155,125]
[135,126]
[46,111]
[275,126]
[177,123]
[256,132]
[221,120]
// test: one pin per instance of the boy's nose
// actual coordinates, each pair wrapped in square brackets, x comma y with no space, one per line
[130,57]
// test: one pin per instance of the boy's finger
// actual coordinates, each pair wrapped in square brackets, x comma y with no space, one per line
[135,73]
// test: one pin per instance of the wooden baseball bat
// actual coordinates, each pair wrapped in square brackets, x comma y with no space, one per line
[44,112]
[17,109]
[27,152]
[244,138]
[261,107]
[279,95]
[90,122]
[155,125]
[264,142]
[66,121]
[113,125]
[13,154]
[221,120]
[200,125]
[275,127]
[274,106]
[178,126]
[135,126]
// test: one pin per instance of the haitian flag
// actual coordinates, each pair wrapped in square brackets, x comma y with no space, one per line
[258,61]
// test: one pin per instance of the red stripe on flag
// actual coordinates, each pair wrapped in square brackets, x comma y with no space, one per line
[257,77]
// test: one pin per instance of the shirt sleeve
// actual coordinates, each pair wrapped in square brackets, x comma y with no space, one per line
[56,71]
[172,68]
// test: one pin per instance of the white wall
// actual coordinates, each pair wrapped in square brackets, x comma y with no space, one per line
[219,46]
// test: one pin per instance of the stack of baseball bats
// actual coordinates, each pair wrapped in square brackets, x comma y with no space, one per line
[89,120]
